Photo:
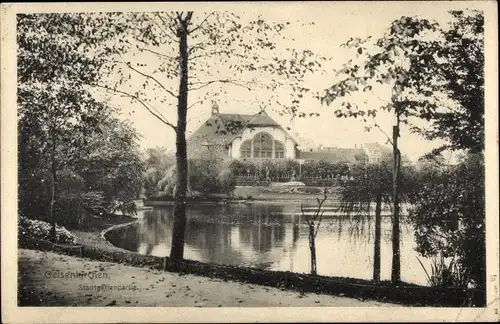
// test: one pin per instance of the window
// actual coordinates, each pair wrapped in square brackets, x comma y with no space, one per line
[262,146]
[246,149]
[279,150]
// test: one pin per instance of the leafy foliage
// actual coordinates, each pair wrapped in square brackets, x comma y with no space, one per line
[434,74]
[171,54]
[145,61]
[112,164]
[156,164]
[210,176]
[444,276]
[101,175]
[423,71]
[325,169]
[394,60]
[56,59]
[449,215]
[458,66]
[321,169]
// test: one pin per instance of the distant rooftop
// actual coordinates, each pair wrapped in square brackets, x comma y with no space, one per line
[229,126]
[333,154]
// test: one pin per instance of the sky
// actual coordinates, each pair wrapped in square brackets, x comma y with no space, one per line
[334,24]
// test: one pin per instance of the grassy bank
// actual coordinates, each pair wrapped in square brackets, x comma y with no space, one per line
[95,247]
[249,195]
[90,235]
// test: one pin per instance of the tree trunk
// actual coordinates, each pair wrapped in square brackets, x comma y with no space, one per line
[396,254]
[312,247]
[378,225]
[53,169]
[179,228]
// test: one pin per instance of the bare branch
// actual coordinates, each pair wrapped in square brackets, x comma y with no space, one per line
[387,102]
[157,114]
[199,26]
[380,128]
[199,101]
[319,223]
[319,212]
[192,118]
[170,27]
[189,15]
[195,46]
[216,53]
[207,83]
[158,54]
[304,214]
[148,77]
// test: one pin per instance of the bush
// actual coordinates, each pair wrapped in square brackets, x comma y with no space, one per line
[444,275]
[74,203]
[324,169]
[210,176]
[37,229]
[262,166]
[449,216]
[102,174]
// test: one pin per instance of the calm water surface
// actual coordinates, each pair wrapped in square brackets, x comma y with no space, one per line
[269,236]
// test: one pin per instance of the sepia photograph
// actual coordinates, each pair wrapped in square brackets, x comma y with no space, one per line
[281,161]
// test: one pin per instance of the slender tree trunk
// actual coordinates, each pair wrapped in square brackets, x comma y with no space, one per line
[53,170]
[378,225]
[312,247]
[179,228]
[396,253]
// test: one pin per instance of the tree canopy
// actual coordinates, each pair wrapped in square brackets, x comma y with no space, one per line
[457,64]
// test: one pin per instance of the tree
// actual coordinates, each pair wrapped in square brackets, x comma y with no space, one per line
[394,60]
[54,61]
[371,184]
[449,216]
[111,164]
[101,175]
[157,163]
[210,176]
[314,229]
[368,184]
[456,62]
[183,48]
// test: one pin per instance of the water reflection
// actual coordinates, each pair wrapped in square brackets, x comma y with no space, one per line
[270,236]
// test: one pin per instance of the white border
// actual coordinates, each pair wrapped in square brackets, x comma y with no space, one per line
[11,313]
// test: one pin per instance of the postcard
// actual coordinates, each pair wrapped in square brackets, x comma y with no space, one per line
[249,162]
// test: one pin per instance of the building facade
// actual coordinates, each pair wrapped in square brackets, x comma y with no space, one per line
[239,136]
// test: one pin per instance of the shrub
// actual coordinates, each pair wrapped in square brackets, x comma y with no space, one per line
[446,276]
[210,176]
[41,230]
[449,215]
[74,203]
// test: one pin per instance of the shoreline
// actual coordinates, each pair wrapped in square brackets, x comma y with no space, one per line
[96,248]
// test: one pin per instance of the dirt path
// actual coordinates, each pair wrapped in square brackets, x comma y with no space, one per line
[49,279]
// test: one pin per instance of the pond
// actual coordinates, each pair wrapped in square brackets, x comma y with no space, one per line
[269,236]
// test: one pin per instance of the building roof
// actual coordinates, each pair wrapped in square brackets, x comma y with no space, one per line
[332,154]
[372,147]
[229,126]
